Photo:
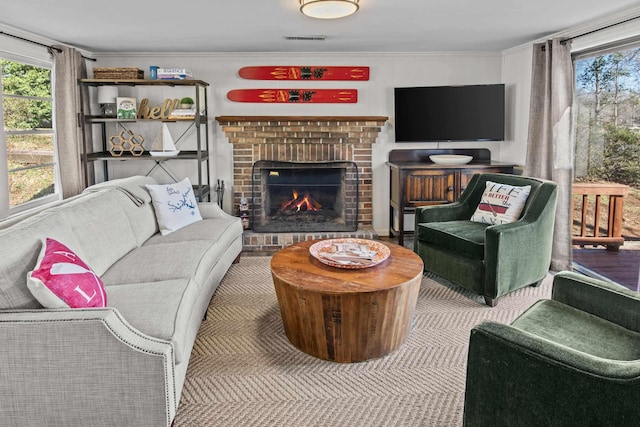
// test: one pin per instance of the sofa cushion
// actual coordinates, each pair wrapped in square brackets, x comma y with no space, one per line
[175,205]
[62,280]
[210,230]
[501,203]
[463,237]
[21,244]
[580,331]
[191,252]
[139,213]
[100,227]
[160,309]
[178,260]
[94,225]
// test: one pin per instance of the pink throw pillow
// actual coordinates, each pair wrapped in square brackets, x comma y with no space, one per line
[61,279]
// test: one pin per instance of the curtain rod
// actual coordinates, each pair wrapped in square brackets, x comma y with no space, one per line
[599,29]
[40,44]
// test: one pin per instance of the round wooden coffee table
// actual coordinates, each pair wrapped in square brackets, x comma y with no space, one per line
[346,315]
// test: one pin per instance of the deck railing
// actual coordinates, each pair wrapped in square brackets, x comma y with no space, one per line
[591,224]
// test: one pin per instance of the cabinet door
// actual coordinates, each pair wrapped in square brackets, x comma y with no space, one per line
[427,187]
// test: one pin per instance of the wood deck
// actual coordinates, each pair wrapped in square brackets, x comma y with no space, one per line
[622,267]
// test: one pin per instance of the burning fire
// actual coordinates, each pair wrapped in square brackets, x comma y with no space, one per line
[304,203]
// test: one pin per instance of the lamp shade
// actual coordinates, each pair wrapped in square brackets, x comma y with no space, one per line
[107,94]
[328,9]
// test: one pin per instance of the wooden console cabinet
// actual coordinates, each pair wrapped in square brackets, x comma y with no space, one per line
[416,181]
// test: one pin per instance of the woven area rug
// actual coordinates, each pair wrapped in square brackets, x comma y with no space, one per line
[244,372]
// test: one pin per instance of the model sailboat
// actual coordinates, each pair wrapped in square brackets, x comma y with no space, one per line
[163,145]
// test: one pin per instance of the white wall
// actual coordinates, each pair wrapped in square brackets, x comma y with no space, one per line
[516,74]
[375,97]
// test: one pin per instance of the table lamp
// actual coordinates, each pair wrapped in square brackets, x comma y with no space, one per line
[107,99]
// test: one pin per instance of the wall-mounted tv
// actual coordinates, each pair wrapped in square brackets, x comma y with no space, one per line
[449,113]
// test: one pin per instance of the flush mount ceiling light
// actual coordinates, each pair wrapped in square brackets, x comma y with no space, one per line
[328,9]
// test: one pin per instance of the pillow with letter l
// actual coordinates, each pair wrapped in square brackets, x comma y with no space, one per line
[61,279]
[501,203]
[175,205]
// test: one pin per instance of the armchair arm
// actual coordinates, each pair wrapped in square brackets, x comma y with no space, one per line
[516,378]
[514,339]
[519,253]
[439,213]
[462,209]
[83,367]
[605,300]
[509,262]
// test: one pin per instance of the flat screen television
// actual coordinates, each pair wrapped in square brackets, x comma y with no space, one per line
[449,113]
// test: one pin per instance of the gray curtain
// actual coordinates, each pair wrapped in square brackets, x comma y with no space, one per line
[549,144]
[68,67]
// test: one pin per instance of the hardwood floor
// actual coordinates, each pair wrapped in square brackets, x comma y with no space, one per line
[622,267]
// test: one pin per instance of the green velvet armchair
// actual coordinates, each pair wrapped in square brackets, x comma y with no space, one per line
[573,360]
[490,260]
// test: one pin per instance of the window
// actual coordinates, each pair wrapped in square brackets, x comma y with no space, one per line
[607,105]
[27,136]
[606,194]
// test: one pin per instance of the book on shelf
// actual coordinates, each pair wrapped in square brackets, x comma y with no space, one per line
[182,114]
[174,74]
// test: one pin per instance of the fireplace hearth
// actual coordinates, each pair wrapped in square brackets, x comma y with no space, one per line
[304,196]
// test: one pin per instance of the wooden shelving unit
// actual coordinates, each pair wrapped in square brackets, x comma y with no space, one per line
[202,188]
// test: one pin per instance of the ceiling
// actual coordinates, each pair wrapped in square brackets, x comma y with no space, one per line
[262,25]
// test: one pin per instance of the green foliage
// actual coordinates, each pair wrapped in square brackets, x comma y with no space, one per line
[621,162]
[186,100]
[607,97]
[24,80]
[596,75]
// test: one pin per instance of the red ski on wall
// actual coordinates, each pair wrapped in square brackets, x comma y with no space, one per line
[288,72]
[294,96]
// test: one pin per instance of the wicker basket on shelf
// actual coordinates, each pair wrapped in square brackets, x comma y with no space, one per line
[118,73]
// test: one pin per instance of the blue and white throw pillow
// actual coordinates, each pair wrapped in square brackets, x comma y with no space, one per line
[175,205]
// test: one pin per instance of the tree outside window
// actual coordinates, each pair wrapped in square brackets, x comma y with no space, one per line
[607,128]
[28,132]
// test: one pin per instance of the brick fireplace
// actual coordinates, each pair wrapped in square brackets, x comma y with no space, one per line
[302,139]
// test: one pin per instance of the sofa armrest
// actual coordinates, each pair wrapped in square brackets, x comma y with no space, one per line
[516,378]
[212,210]
[602,299]
[83,367]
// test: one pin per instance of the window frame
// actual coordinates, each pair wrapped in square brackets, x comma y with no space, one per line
[42,61]
[594,52]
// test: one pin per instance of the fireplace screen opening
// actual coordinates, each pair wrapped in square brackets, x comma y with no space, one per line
[303,197]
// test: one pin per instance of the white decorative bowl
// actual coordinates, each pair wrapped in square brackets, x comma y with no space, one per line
[450,159]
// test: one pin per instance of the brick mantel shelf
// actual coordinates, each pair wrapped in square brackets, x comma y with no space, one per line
[228,119]
[301,130]
[303,139]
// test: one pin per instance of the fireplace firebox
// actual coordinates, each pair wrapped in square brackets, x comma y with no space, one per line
[304,197]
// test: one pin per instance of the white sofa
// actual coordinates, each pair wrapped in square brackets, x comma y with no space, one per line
[123,365]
